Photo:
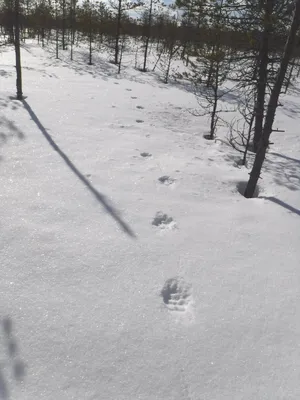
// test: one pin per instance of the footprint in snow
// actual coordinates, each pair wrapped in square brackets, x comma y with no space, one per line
[163,221]
[177,294]
[139,121]
[140,107]
[146,155]
[166,180]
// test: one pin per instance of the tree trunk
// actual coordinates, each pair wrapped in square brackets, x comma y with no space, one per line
[17,51]
[56,32]
[213,120]
[63,24]
[171,53]
[263,60]
[290,76]
[90,40]
[121,54]
[118,32]
[273,103]
[148,36]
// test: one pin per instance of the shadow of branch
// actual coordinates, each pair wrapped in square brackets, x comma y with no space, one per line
[100,197]
[282,204]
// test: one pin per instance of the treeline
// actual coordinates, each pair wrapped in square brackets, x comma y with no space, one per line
[187,21]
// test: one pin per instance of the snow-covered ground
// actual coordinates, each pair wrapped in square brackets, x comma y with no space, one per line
[118,285]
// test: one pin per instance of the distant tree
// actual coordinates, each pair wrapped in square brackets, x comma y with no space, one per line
[8,19]
[193,17]
[213,64]
[120,9]
[147,23]
[72,25]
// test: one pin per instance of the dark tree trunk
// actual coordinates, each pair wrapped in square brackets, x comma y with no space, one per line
[273,103]
[64,25]
[56,32]
[90,40]
[263,60]
[148,36]
[213,115]
[17,51]
[119,16]
[289,78]
[72,15]
[171,53]
[121,54]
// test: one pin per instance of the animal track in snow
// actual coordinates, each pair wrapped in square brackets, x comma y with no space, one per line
[129,90]
[146,155]
[166,180]
[163,221]
[133,97]
[177,294]
[140,107]
[139,121]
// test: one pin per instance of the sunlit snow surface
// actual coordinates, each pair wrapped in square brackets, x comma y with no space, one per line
[131,267]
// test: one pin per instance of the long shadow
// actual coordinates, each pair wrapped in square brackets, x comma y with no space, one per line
[282,204]
[100,197]
[286,157]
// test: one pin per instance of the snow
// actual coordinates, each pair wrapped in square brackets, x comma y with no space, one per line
[97,302]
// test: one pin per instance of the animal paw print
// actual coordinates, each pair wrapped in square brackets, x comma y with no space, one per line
[177,294]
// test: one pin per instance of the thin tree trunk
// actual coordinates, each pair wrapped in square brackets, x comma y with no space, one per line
[56,33]
[90,39]
[273,103]
[157,61]
[148,36]
[169,63]
[72,28]
[262,73]
[248,139]
[289,79]
[213,121]
[17,51]
[63,24]
[121,54]
[118,32]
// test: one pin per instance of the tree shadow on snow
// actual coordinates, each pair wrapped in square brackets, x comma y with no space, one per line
[100,197]
[11,354]
[290,108]
[100,68]
[8,129]
[285,170]
[282,204]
